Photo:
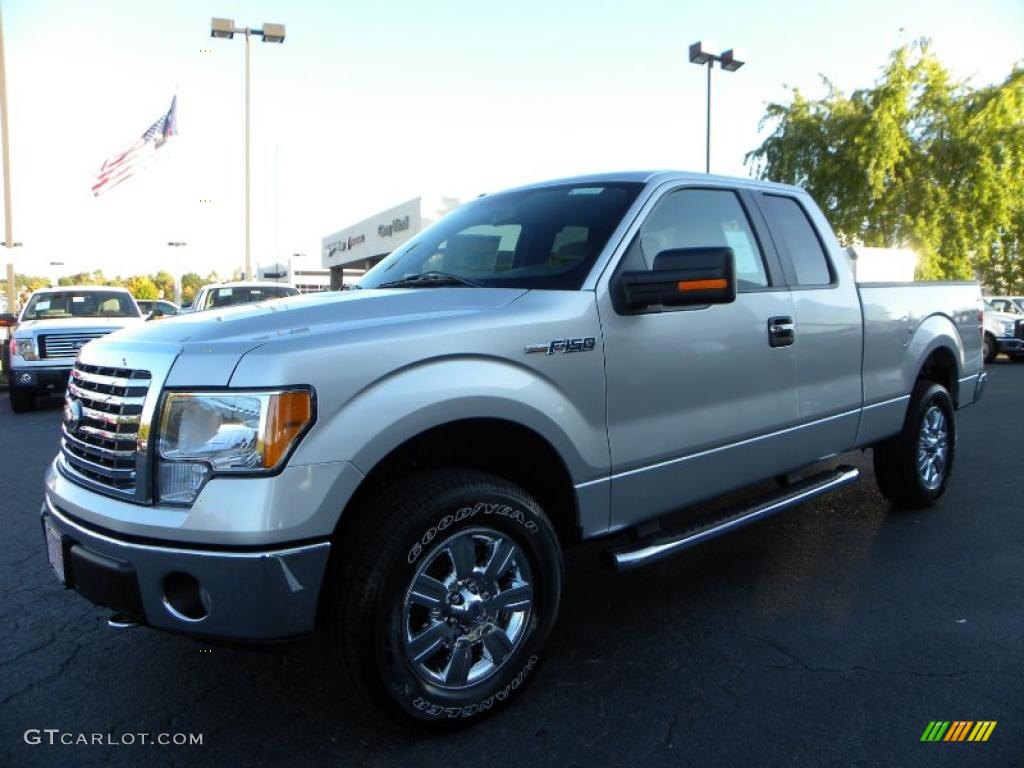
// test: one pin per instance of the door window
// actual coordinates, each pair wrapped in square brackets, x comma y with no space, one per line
[701,218]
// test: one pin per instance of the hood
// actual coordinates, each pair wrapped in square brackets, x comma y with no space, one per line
[328,312]
[72,324]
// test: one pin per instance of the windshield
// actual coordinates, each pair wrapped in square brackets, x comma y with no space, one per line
[231,295]
[55,304]
[539,238]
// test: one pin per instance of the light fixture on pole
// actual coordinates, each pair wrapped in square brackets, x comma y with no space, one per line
[727,61]
[271,33]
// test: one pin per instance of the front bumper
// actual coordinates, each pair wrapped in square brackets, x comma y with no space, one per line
[1010,345]
[40,380]
[258,596]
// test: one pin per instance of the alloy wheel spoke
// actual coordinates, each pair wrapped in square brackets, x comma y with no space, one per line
[457,671]
[497,644]
[502,555]
[428,592]
[463,554]
[427,642]
[518,598]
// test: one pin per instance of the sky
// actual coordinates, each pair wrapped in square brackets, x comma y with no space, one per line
[368,104]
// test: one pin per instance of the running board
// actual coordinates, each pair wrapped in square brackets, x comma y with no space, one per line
[653,549]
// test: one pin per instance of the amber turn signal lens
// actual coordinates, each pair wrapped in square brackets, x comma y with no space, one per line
[702,285]
[288,415]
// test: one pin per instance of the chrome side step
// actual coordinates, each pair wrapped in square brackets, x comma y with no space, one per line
[654,549]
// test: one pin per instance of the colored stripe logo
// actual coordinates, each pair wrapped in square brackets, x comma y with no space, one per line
[958,730]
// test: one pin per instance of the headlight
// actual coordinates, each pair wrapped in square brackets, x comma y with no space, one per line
[205,433]
[25,348]
[1008,327]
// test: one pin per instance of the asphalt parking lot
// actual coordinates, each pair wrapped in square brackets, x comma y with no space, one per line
[830,635]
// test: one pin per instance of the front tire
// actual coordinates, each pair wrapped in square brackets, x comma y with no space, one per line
[447,593]
[22,401]
[913,467]
[988,348]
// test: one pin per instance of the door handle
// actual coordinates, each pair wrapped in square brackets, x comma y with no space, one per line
[781,331]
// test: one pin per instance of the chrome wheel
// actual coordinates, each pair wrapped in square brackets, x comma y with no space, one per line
[467,608]
[932,448]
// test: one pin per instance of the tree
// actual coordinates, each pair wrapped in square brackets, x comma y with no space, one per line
[164,282]
[142,287]
[917,160]
[190,285]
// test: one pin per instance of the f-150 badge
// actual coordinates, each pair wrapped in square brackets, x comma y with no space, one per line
[562,346]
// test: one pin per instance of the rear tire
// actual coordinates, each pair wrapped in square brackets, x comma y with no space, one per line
[988,348]
[913,467]
[447,590]
[21,401]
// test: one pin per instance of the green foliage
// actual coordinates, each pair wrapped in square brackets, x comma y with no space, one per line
[918,160]
[190,285]
[142,287]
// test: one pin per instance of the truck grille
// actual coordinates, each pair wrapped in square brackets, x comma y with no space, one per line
[102,420]
[56,345]
[1019,329]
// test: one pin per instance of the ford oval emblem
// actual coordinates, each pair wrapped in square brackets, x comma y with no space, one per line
[72,414]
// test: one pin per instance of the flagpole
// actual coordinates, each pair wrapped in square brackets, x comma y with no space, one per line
[12,293]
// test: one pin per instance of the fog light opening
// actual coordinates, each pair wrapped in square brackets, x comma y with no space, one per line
[184,598]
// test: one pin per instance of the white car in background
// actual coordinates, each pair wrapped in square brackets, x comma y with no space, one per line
[51,330]
[219,295]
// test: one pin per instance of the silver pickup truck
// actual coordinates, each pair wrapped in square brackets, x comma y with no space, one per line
[403,464]
[54,325]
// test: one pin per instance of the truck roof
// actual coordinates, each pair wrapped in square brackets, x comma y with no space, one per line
[646,177]
[60,288]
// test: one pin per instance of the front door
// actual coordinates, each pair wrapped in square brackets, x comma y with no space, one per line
[700,400]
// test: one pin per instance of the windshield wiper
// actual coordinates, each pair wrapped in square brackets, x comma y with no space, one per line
[429,280]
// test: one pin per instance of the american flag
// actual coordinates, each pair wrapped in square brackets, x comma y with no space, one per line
[122,165]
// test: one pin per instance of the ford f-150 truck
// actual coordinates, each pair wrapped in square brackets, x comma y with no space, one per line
[403,464]
[54,325]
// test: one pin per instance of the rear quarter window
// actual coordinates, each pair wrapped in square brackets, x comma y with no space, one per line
[789,223]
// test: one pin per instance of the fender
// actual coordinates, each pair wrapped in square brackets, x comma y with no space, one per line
[431,393]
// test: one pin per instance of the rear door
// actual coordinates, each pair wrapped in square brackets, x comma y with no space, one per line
[694,393]
[829,328]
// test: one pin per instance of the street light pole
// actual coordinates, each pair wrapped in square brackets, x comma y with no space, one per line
[12,293]
[248,231]
[727,61]
[271,33]
[177,272]
[707,128]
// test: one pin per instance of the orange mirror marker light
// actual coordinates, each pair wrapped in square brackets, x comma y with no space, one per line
[702,285]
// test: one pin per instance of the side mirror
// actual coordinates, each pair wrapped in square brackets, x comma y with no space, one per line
[7,320]
[155,314]
[681,277]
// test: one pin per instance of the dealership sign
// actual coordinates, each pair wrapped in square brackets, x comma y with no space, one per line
[396,225]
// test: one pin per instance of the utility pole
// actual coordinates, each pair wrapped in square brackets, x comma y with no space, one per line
[12,293]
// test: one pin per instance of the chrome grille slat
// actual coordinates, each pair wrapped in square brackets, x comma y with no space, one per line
[101,440]
[104,434]
[108,381]
[101,469]
[56,345]
[101,397]
[109,418]
[98,450]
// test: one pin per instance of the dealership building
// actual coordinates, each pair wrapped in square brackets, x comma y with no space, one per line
[350,252]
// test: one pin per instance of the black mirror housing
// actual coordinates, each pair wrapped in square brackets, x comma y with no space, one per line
[681,277]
